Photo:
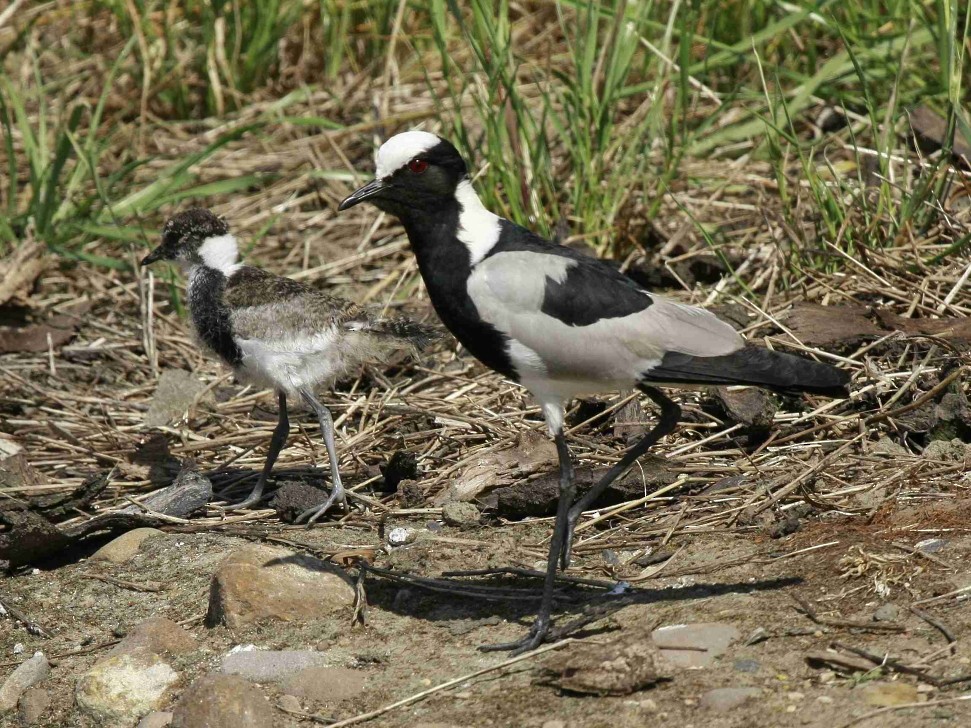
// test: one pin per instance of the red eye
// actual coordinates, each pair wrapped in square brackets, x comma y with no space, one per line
[417,166]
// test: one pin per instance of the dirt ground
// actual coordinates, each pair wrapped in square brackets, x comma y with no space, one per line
[415,639]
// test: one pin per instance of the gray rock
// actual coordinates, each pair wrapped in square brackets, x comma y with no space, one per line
[746,665]
[750,406]
[886,446]
[33,704]
[120,689]
[887,613]
[27,674]
[223,701]
[190,492]
[460,513]
[260,583]
[325,684]
[159,635]
[931,545]
[270,665]
[176,392]
[123,548]
[724,699]
[157,719]
[694,645]
[946,450]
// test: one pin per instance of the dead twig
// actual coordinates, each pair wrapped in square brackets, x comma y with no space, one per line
[805,608]
[30,625]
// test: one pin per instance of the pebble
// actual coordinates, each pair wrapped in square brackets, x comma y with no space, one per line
[746,665]
[259,583]
[888,612]
[156,719]
[886,694]
[400,536]
[290,703]
[694,645]
[722,700]
[33,704]
[270,665]
[120,689]
[26,675]
[123,548]
[325,684]
[554,724]
[159,635]
[460,513]
[931,545]
[223,701]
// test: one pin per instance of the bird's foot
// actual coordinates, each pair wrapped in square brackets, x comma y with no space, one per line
[337,495]
[255,496]
[534,638]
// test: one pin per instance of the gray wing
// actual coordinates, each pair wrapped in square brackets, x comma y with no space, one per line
[547,304]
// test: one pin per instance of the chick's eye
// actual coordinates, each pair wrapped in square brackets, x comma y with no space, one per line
[417,166]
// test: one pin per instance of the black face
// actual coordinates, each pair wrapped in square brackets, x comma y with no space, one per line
[184,233]
[421,184]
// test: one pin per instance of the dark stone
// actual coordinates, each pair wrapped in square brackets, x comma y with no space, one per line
[403,465]
[293,498]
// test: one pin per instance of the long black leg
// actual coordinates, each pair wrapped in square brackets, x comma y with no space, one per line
[277,441]
[337,493]
[537,633]
[670,413]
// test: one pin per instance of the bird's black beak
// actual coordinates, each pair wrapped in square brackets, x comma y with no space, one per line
[155,255]
[366,192]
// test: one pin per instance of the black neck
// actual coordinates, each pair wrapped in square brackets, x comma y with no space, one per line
[210,316]
[446,264]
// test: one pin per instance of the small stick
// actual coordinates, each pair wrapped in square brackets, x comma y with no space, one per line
[134,586]
[806,609]
[887,661]
[937,624]
[926,397]
[31,626]
[518,571]
[444,686]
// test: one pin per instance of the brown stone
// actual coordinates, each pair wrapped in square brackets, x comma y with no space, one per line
[265,583]
[124,548]
[223,701]
[615,667]
[157,634]
[33,704]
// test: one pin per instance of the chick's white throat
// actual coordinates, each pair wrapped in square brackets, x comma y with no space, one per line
[221,253]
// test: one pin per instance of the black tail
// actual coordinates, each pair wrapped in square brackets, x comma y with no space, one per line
[755,366]
[408,331]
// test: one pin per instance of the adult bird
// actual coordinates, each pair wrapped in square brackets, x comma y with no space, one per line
[276,332]
[558,322]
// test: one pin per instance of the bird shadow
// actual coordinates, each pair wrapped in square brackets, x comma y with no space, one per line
[470,602]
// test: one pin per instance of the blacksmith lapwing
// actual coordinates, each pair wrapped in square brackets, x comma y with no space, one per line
[560,323]
[276,332]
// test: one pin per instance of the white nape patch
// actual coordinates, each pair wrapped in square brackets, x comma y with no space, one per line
[220,252]
[478,228]
[401,149]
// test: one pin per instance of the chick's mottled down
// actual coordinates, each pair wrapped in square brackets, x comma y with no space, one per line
[276,332]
